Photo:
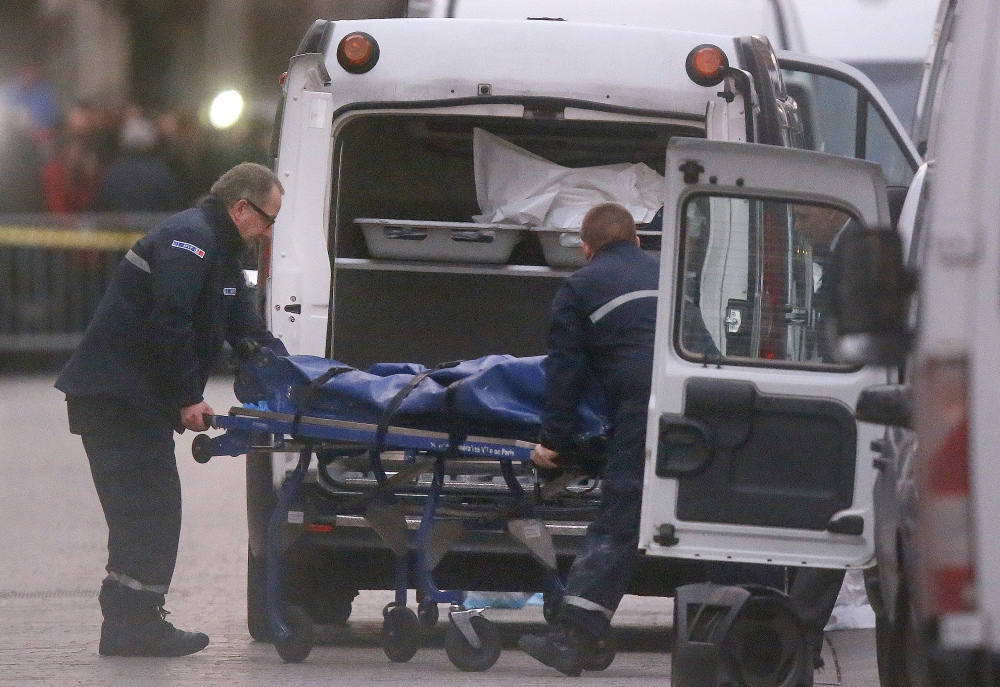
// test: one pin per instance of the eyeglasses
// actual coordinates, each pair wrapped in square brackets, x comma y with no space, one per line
[269,218]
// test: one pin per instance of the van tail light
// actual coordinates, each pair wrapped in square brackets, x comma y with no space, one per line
[946,543]
[357,52]
[707,64]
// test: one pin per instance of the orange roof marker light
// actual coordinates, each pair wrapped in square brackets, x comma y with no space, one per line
[357,52]
[706,65]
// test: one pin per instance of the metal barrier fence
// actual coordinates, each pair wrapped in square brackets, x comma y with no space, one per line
[54,270]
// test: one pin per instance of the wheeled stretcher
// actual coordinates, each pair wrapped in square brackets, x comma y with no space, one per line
[301,416]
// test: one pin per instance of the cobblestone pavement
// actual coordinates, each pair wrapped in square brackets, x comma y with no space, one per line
[52,552]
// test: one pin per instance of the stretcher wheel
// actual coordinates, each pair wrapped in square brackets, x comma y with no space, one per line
[295,647]
[463,656]
[427,613]
[602,657]
[201,448]
[401,632]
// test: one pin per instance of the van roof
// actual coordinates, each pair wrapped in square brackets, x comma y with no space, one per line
[448,59]
[742,17]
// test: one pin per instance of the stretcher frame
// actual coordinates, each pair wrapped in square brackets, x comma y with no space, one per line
[471,642]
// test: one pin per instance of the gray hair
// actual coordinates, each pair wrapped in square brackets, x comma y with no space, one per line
[246,180]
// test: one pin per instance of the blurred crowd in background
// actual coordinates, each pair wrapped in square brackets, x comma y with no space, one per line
[66,156]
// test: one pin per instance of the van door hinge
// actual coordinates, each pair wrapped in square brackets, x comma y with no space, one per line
[692,171]
[666,536]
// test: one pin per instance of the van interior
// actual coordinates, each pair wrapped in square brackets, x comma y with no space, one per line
[420,167]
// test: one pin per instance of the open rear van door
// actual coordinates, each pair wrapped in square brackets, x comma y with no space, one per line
[753,452]
[842,112]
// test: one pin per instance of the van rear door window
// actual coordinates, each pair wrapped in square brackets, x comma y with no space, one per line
[754,287]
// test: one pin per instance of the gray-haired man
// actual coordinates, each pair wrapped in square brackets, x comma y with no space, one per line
[139,374]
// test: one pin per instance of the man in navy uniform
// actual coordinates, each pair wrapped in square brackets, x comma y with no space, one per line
[603,325]
[139,374]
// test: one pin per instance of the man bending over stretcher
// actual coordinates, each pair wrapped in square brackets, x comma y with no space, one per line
[603,324]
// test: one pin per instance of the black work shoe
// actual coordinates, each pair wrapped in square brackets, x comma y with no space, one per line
[599,655]
[562,648]
[154,637]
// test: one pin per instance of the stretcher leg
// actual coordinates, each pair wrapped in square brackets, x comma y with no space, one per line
[472,643]
[291,627]
[400,626]
[426,561]
[531,532]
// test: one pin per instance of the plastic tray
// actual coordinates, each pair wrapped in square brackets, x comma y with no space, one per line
[395,239]
[564,248]
[561,247]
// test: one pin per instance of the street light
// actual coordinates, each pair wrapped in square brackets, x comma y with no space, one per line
[226,109]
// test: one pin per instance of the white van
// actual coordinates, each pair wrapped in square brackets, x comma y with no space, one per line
[776,19]
[938,581]
[817,28]
[387,129]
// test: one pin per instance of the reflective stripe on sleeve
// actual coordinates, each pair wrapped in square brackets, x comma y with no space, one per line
[138,262]
[621,300]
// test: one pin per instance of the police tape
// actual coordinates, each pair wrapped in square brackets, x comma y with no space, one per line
[85,239]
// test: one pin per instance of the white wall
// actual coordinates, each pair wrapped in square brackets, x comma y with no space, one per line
[101,46]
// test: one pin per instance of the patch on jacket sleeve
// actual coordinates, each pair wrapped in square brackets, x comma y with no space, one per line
[229,291]
[190,247]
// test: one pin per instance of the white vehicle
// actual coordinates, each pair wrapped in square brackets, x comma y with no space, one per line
[387,132]
[938,577]
[776,19]
[821,29]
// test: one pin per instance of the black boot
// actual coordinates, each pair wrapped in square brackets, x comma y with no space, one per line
[564,647]
[135,625]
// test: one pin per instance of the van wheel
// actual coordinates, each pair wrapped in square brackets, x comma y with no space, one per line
[260,503]
[765,645]
[256,606]
[894,646]
[314,580]
[331,606]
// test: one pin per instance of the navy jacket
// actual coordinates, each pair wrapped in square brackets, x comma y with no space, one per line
[173,299]
[603,326]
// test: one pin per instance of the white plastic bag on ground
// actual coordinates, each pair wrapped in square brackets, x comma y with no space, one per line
[497,599]
[514,185]
[852,611]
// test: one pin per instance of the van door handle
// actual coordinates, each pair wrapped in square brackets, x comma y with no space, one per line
[847,524]
[294,308]
[686,447]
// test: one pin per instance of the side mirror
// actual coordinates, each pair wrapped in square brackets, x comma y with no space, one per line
[886,404]
[872,290]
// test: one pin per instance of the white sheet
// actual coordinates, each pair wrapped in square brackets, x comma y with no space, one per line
[514,185]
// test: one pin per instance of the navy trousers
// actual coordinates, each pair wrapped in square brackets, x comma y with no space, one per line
[602,571]
[132,462]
